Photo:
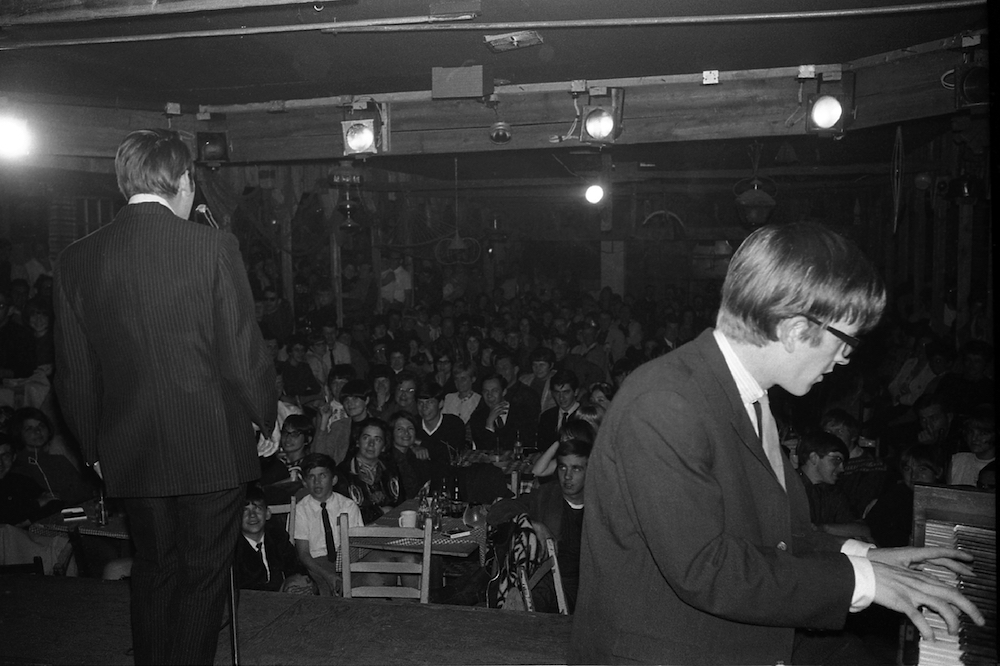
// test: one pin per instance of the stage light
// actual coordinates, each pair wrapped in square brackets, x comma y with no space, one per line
[15,139]
[359,136]
[972,86]
[594,194]
[826,111]
[754,205]
[213,147]
[601,121]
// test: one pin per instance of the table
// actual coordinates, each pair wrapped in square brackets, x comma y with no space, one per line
[521,480]
[113,540]
[116,527]
[441,543]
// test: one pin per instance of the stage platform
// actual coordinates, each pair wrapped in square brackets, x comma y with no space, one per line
[55,620]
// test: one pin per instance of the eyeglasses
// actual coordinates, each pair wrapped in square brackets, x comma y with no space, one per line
[850,341]
[291,433]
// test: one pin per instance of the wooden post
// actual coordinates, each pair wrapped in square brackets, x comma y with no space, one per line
[965,215]
[938,265]
[918,217]
[335,277]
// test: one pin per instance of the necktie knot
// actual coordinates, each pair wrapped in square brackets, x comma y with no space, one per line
[322,505]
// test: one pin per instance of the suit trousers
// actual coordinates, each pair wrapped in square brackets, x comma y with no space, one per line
[184,548]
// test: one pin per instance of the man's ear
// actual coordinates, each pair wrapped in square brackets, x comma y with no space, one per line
[267,513]
[185,183]
[791,332]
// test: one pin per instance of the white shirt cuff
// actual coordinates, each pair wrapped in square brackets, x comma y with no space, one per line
[864,573]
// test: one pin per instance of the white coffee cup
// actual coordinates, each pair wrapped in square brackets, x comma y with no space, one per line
[408,519]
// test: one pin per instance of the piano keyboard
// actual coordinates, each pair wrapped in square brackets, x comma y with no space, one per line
[973,645]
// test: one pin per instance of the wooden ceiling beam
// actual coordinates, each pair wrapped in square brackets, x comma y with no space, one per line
[38,12]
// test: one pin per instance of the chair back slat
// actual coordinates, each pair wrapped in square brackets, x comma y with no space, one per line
[350,567]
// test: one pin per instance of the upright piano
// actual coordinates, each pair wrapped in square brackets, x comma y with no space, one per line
[963,518]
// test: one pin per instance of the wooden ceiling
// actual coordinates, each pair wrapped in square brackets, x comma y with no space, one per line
[87,71]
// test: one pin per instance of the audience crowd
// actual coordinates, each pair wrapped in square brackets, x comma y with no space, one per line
[382,406]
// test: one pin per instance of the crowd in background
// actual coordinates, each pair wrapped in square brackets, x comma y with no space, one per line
[395,397]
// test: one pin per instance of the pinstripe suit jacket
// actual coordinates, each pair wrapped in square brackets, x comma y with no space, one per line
[160,365]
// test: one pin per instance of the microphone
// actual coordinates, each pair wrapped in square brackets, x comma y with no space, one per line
[203,210]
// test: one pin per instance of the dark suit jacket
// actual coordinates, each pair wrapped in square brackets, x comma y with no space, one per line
[692,553]
[505,435]
[525,406]
[281,558]
[161,366]
[548,430]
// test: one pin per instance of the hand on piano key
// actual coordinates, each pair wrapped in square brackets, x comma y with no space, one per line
[899,585]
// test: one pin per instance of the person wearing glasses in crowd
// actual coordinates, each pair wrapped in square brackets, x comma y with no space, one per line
[281,473]
[821,458]
[697,546]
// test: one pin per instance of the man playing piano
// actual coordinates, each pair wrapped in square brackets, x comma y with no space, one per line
[697,546]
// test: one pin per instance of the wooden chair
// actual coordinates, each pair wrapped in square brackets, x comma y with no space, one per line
[289,510]
[551,563]
[34,567]
[422,568]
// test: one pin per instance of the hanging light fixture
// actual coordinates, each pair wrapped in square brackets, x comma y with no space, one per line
[754,196]
[349,203]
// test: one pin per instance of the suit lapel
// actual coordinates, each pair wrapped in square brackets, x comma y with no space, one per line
[720,388]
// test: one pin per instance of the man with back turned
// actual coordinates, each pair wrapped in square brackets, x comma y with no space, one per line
[697,546]
[161,375]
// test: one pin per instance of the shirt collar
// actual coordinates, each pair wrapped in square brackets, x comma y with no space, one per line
[749,388]
[253,544]
[149,198]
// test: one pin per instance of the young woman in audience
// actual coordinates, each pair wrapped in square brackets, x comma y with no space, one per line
[369,477]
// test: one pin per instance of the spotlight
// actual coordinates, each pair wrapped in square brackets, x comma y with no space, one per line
[825,114]
[602,123]
[359,136]
[594,194]
[501,133]
[972,86]
[213,147]
[15,140]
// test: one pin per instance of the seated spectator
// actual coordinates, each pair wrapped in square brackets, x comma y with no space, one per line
[21,499]
[297,378]
[583,429]
[404,394]
[591,350]
[39,320]
[463,401]
[319,358]
[864,476]
[56,473]
[355,397]
[281,473]
[369,477]
[556,511]
[979,436]
[936,419]
[890,518]
[331,423]
[525,403]
[821,462]
[543,362]
[564,391]
[381,401]
[442,435]
[620,370]
[411,460]
[340,374]
[601,394]
[17,346]
[586,372]
[277,317]
[265,558]
[443,371]
[397,355]
[493,425]
[317,538]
